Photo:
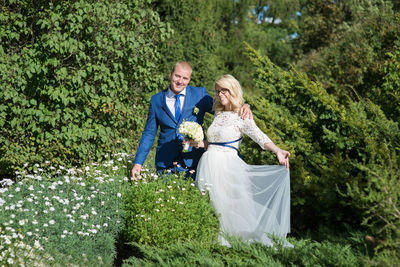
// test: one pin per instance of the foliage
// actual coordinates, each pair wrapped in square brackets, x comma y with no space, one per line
[77,76]
[305,253]
[74,78]
[270,28]
[69,219]
[380,198]
[324,137]
[358,38]
[195,38]
[387,257]
[103,181]
[265,25]
[211,38]
[352,51]
[319,23]
[388,94]
[275,11]
[167,210]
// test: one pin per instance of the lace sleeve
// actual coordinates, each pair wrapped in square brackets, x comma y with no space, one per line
[250,128]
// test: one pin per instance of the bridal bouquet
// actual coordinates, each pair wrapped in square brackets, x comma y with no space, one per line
[191,130]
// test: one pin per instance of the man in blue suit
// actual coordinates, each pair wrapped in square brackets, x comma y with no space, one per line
[167,111]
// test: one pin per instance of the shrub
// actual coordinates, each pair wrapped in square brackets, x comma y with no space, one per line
[73,75]
[304,253]
[168,210]
[388,95]
[325,138]
[380,199]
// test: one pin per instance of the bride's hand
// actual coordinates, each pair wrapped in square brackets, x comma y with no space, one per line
[283,157]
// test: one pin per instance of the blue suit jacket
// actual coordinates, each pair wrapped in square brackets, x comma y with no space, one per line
[169,148]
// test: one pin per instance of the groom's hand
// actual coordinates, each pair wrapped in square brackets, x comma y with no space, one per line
[245,112]
[201,144]
[136,172]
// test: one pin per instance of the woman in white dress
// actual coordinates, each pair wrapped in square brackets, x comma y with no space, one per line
[253,202]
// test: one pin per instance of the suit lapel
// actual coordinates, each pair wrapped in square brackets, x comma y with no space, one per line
[165,107]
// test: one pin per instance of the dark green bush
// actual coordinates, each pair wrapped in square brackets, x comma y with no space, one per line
[305,253]
[73,77]
[388,94]
[325,137]
[379,196]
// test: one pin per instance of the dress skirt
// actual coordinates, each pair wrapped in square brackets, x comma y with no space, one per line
[252,201]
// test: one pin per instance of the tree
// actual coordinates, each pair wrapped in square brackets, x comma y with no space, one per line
[195,38]
[319,23]
[358,40]
[212,37]
[267,26]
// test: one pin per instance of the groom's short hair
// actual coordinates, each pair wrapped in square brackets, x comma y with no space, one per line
[183,64]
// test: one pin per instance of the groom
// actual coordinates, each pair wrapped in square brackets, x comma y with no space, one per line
[167,110]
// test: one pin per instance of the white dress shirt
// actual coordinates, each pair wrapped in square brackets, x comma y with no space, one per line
[171,100]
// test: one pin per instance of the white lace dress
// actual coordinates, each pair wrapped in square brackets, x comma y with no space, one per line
[253,202]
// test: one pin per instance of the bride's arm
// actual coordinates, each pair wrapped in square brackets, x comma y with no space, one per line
[250,128]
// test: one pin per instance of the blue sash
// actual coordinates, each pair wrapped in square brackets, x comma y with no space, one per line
[226,144]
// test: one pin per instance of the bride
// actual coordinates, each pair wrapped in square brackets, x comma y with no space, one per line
[253,202]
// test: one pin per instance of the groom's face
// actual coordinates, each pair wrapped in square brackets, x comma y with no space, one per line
[180,78]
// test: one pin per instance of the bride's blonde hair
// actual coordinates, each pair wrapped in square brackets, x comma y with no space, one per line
[229,82]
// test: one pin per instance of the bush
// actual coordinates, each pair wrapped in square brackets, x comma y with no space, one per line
[70,219]
[305,253]
[380,199]
[168,210]
[388,95]
[326,139]
[73,76]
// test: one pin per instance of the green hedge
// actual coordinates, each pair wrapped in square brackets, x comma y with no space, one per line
[73,77]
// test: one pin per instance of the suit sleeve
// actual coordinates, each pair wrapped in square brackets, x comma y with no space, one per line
[148,136]
[208,100]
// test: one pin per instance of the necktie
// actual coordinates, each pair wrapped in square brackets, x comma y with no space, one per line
[177,107]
